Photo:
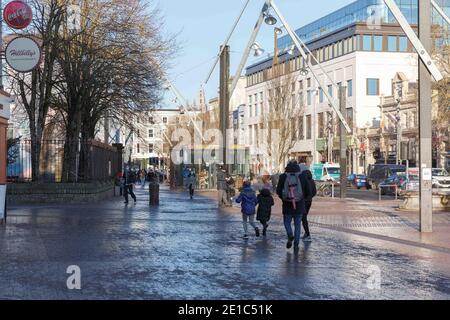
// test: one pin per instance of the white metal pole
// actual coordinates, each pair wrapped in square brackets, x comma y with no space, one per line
[225,43]
[247,50]
[297,43]
[412,36]
[441,12]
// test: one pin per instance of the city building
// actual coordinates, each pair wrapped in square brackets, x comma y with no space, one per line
[353,51]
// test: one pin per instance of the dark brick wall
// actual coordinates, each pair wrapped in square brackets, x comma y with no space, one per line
[34,193]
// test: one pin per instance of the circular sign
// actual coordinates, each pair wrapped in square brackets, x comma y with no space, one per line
[17,14]
[23,54]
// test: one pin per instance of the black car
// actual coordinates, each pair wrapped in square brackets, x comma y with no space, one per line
[380,172]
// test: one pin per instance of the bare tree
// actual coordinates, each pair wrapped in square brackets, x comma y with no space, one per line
[280,118]
[34,91]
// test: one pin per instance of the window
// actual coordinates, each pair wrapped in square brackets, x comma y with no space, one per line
[309,97]
[150,120]
[321,95]
[165,120]
[301,128]
[250,100]
[321,123]
[367,43]
[350,88]
[378,43]
[151,133]
[301,84]
[330,90]
[138,147]
[392,44]
[150,148]
[301,99]
[308,127]
[402,44]
[373,87]
[261,96]
[309,82]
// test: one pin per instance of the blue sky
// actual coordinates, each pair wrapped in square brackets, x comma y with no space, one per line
[202,26]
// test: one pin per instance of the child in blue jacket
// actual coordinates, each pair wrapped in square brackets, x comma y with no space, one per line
[248,201]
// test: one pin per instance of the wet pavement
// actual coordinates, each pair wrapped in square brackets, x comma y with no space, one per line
[190,250]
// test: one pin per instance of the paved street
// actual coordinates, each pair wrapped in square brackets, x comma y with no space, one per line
[191,250]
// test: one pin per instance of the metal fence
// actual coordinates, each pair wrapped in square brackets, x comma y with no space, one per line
[101,163]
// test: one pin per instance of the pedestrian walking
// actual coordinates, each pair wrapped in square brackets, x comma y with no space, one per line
[308,203]
[248,201]
[192,183]
[222,188]
[265,204]
[129,179]
[293,189]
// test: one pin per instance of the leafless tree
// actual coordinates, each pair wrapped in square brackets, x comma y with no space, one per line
[280,118]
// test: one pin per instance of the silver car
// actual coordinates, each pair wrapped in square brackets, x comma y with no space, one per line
[441,179]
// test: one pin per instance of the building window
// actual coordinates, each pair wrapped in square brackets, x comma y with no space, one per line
[321,123]
[350,88]
[378,43]
[373,87]
[150,148]
[165,120]
[367,43]
[308,127]
[402,44]
[301,84]
[321,95]
[392,43]
[309,82]
[309,97]
[138,147]
[330,90]
[301,100]
[301,128]
[150,133]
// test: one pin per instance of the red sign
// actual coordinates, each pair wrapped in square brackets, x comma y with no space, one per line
[17,15]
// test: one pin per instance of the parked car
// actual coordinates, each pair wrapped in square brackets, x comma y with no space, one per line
[441,178]
[326,172]
[358,180]
[380,172]
[393,184]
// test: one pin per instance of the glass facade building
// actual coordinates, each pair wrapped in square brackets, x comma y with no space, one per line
[361,11]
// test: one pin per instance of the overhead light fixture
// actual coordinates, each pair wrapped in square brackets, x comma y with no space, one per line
[258,50]
[270,19]
[278,31]
[291,50]
[304,72]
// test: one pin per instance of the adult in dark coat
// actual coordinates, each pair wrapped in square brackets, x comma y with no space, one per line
[289,211]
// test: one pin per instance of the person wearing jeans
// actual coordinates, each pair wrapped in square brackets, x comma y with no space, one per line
[287,218]
[291,210]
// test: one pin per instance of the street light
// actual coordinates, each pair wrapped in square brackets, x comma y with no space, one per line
[270,19]
[278,31]
[258,50]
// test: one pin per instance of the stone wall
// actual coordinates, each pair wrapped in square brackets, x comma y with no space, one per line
[35,193]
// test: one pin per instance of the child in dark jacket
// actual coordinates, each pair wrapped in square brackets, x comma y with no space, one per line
[265,204]
[248,201]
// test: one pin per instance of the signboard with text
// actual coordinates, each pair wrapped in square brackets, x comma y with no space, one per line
[23,54]
[17,14]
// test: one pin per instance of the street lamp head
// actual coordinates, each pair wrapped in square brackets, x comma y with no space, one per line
[304,72]
[291,50]
[270,19]
[278,31]
[258,50]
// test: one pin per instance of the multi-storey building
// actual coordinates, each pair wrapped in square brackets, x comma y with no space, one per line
[149,144]
[352,52]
